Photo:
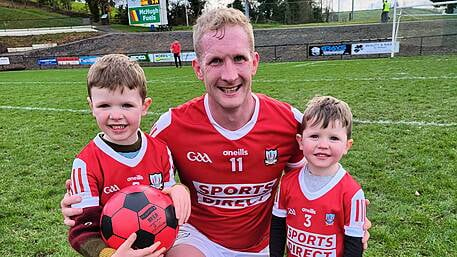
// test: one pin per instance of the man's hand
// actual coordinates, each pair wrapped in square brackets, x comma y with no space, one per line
[366,227]
[179,193]
[66,203]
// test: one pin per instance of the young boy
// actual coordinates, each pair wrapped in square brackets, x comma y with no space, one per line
[120,156]
[320,208]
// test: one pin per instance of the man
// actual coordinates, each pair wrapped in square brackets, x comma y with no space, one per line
[385,11]
[175,48]
[230,146]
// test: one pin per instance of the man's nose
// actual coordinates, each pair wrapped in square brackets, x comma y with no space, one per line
[229,72]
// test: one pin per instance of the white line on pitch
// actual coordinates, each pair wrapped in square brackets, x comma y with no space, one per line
[169,82]
[26,108]
[386,122]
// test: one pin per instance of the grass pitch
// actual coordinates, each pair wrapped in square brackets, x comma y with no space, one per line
[404,153]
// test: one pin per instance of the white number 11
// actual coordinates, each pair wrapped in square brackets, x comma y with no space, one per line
[234,161]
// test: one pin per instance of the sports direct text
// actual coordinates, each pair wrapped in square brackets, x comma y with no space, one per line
[233,196]
[304,244]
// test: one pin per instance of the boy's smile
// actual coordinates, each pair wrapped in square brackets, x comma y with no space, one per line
[118,114]
[323,148]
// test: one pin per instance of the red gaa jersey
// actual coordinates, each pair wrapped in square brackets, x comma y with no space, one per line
[317,221]
[99,171]
[232,175]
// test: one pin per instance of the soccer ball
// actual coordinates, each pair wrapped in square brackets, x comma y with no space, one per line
[143,210]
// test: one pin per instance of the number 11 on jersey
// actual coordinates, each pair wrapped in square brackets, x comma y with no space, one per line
[237,164]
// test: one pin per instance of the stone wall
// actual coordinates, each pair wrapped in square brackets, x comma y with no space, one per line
[272,44]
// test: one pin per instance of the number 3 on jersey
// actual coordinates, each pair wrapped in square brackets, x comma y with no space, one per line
[307,222]
[237,164]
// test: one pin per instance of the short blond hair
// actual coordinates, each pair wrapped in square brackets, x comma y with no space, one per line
[116,71]
[216,19]
[325,110]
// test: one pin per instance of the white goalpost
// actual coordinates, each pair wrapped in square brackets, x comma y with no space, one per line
[398,13]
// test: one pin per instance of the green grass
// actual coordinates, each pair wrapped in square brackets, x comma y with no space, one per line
[405,141]
[18,18]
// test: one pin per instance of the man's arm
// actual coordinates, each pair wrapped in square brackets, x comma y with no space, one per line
[277,236]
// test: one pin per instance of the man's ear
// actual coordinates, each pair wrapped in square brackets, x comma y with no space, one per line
[197,68]
[255,62]
[91,105]
[146,104]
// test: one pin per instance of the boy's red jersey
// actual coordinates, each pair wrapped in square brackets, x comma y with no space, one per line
[317,221]
[98,171]
[232,175]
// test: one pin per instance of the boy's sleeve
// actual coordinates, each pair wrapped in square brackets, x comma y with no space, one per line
[355,213]
[85,236]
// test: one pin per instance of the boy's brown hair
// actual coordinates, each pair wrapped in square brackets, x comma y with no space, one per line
[326,110]
[116,72]
[215,20]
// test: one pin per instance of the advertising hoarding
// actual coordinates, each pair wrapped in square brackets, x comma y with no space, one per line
[374,48]
[147,12]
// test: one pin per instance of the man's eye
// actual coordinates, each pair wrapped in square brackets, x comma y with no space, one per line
[314,136]
[103,106]
[127,105]
[239,58]
[215,62]
[334,138]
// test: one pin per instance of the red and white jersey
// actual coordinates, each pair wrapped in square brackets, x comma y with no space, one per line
[317,221]
[99,171]
[232,175]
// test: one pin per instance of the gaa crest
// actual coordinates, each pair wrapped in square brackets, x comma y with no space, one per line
[271,156]
[156,180]
[329,218]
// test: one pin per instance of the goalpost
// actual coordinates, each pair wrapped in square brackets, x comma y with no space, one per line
[398,13]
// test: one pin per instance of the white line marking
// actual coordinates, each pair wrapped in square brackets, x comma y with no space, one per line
[171,83]
[410,123]
[378,122]
[27,108]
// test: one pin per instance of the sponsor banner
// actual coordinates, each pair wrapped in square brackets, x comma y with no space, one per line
[163,57]
[139,3]
[139,57]
[47,61]
[374,48]
[144,14]
[4,61]
[168,57]
[188,56]
[325,50]
[147,12]
[68,60]
[87,60]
